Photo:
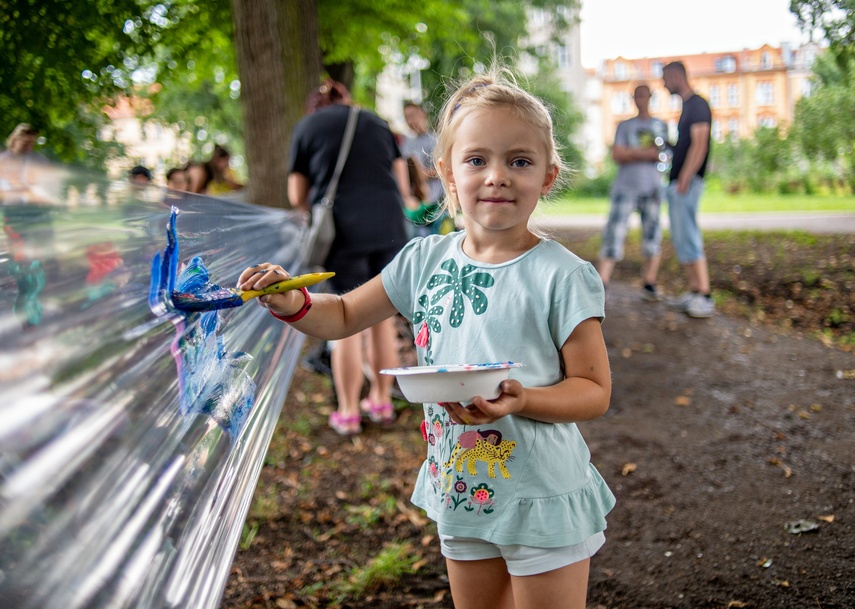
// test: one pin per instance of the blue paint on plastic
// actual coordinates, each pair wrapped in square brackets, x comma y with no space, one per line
[212,381]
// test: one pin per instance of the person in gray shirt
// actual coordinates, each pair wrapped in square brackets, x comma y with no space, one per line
[640,151]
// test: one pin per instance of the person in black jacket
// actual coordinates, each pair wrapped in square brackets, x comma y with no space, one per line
[370,230]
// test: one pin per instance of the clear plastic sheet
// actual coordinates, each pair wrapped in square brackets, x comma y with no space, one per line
[131,434]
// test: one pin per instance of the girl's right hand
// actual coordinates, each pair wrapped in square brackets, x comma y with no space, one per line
[262,275]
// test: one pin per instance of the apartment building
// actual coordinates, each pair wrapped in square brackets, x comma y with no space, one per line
[746,89]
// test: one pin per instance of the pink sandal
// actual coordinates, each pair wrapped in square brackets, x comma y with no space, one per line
[344,425]
[378,413]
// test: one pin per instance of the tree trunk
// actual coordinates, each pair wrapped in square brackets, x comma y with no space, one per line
[262,78]
[279,62]
[301,53]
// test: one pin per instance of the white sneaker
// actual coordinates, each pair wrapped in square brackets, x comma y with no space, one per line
[681,303]
[700,306]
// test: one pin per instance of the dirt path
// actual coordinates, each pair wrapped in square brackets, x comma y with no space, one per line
[720,436]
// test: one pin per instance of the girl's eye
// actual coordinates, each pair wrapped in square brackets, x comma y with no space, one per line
[520,163]
[476,162]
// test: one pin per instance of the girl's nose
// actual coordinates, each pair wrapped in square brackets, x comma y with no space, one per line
[498,176]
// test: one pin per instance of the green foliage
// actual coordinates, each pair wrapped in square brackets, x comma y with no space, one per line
[489,28]
[789,279]
[63,61]
[824,127]
[834,20]
[567,119]
[393,562]
[72,59]
[195,68]
[265,502]
[368,32]
[764,163]
[250,530]
[597,185]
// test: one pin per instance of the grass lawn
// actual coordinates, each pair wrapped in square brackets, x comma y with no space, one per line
[715,202]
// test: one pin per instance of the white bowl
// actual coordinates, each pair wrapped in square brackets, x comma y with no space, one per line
[452,383]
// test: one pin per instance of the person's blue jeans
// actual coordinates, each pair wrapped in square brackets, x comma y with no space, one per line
[683,215]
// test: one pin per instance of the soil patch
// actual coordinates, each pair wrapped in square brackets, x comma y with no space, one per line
[728,445]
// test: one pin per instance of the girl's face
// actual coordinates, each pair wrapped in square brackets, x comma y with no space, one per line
[499,169]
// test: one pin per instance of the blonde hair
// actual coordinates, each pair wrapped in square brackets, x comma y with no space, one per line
[21,129]
[495,89]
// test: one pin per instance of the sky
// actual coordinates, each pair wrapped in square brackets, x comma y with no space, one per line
[650,28]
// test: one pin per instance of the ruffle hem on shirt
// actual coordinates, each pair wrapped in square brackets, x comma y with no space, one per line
[543,522]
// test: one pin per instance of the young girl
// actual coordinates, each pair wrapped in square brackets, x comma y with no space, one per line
[519,507]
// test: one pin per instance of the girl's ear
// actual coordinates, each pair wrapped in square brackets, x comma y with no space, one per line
[549,180]
[446,172]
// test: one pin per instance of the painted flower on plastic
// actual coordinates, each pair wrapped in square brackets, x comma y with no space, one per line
[436,426]
[431,439]
[460,486]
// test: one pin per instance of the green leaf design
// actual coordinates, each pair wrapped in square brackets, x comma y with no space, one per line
[465,284]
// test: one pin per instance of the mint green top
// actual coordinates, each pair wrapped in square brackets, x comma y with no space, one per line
[517,480]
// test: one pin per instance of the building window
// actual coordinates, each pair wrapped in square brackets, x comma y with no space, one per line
[765,93]
[621,71]
[766,120]
[654,100]
[725,64]
[716,131]
[620,103]
[656,69]
[562,56]
[733,96]
[765,60]
[733,128]
[715,96]
[806,87]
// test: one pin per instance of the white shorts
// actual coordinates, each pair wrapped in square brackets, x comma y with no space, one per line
[521,560]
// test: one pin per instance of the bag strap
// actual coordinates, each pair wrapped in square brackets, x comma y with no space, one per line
[343,152]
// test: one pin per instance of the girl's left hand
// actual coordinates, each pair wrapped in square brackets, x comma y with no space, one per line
[482,412]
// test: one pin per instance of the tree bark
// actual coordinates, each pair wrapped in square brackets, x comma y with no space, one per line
[278,57]
[301,53]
